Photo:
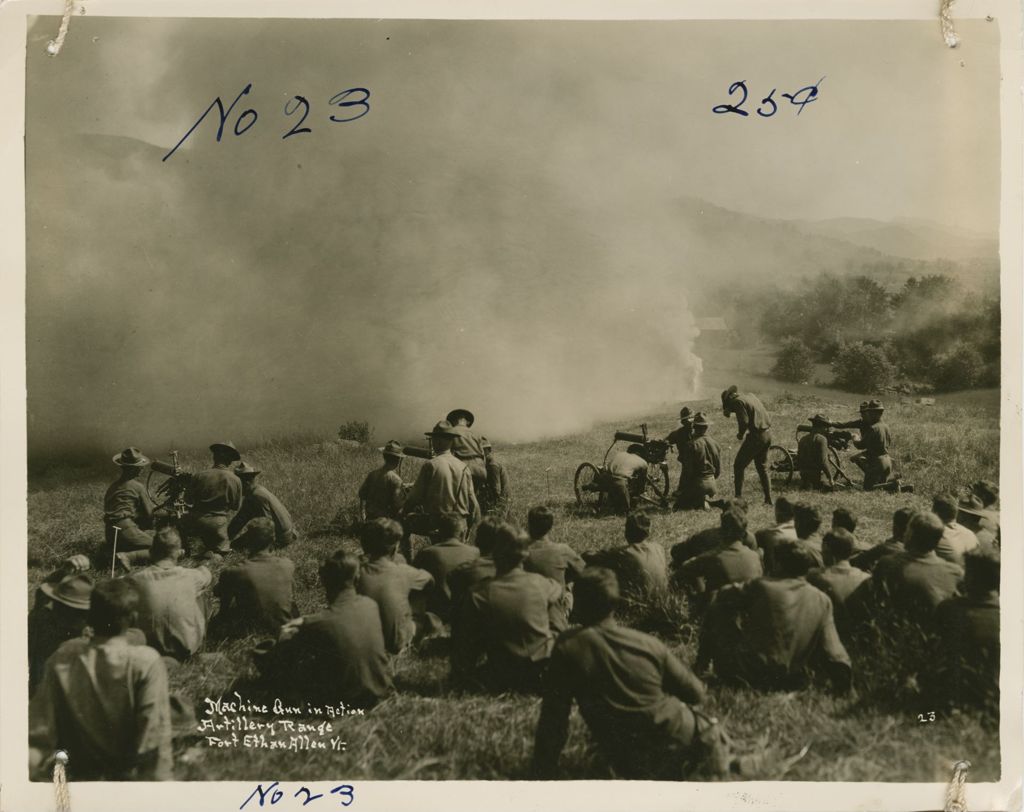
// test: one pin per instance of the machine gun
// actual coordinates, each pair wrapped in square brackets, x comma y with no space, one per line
[416,451]
[837,438]
[169,494]
[654,451]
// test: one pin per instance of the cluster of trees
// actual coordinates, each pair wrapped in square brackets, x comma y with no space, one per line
[930,334]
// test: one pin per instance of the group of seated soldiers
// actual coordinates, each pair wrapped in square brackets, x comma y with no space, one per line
[775,609]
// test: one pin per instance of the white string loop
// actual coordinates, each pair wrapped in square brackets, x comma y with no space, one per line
[54,45]
[60,781]
[956,793]
[946,21]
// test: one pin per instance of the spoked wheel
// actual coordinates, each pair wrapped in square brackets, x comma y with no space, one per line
[838,474]
[587,484]
[780,465]
[656,487]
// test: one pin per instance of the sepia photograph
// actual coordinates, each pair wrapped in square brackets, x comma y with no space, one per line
[560,400]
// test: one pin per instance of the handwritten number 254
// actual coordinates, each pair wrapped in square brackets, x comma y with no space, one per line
[768,107]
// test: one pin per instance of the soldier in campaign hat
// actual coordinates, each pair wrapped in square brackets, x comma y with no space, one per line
[444,485]
[259,502]
[875,441]
[812,456]
[383,492]
[215,496]
[59,613]
[468,447]
[701,458]
[754,429]
[127,506]
[679,437]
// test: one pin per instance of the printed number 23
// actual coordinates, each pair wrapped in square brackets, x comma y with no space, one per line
[926,717]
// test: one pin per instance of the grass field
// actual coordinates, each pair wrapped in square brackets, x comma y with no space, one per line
[427,731]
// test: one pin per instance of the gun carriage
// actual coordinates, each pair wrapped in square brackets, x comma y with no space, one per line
[590,481]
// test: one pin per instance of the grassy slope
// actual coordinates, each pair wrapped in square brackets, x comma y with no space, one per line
[428,732]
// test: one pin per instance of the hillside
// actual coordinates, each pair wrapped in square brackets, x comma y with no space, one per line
[429,731]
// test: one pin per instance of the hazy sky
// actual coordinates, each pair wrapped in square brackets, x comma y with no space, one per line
[499,231]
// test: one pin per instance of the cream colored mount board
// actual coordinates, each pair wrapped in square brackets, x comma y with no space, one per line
[259,221]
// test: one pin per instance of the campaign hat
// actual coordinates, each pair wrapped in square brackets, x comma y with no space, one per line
[443,429]
[227,447]
[392,448]
[699,419]
[485,443]
[986,491]
[872,406]
[131,458]
[455,415]
[244,469]
[685,415]
[729,394]
[71,590]
[819,420]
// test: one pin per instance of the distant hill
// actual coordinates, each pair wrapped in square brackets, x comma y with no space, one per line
[907,238]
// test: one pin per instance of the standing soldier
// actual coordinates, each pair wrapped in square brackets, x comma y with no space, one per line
[679,438]
[215,494]
[127,506]
[701,457]
[754,429]
[812,456]
[383,491]
[258,502]
[444,485]
[875,439]
[499,492]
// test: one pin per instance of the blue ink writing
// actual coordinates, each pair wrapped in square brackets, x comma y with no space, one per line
[272,794]
[351,105]
[768,107]
[275,794]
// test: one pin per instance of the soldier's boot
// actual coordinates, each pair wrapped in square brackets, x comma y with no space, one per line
[766,483]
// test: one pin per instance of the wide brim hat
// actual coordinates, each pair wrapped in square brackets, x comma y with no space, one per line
[485,443]
[443,429]
[819,420]
[392,448]
[131,458]
[872,406]
[685,415]
[985,490]
[700,420]
[72,590]
[729,394]
[228,448]
[455,415]
[244,469]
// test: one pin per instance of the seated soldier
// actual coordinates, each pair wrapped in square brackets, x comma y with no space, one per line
[508,619]
[641,566]
[128,512]
[337,655]
[552,559]
[173,608]
[956,540]
[812,457]
[733,564]
[807,522]
[892,546]
[845,519]
[443,557]
[967,662]
[462,579]
[60,613]
[782,531]
[390,582]
[625,478]
[256,594]
[917,582]
[710,538]
[839,579]
[382,493]
[258,502]
[636,697]
[104,699]
[701,457]
[980,512]
[771,633]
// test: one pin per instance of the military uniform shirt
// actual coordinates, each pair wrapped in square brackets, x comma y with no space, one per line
[444,485]
[626,465]
[261,503]
[106,702]
[554,560]
[511,615]
[679,438]
[216,491]
[652,560]
[258,591]
[918,583]
[629,686]
[383,491]
[812,453]
[701,458]
[751,414]
[128,499]
[170,612]
[440,560]
[956,542]
[875,438]
[466,445]
[736,563]
[389,583]
[868,559]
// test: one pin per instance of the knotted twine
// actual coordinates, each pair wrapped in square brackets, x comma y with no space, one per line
[946,22]
[956,794]
[54,45]
[60,781]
